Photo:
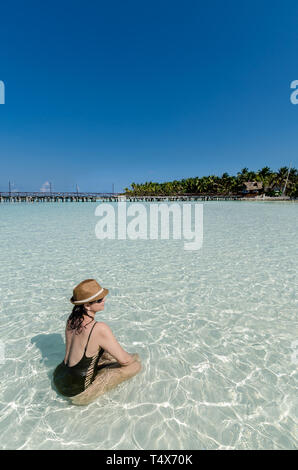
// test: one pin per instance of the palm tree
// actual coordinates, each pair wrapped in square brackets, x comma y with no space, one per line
[264,172]
[225,184]
[243,175]
[281,176]
[263,176]
[292,181]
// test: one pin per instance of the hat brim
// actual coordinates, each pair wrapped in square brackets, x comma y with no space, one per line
[82,302]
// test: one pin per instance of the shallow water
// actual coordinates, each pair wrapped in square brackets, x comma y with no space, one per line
[215,329]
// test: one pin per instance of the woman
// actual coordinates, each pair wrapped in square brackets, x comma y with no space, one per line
[94,361]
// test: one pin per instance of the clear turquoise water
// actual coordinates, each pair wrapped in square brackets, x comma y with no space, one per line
[214,329]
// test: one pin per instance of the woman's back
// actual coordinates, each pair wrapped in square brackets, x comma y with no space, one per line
[76,342]
[78,370]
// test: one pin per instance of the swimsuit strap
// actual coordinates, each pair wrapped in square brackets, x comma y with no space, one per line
[89,337]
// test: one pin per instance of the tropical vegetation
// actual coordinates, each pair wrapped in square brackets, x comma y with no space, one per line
[273,184]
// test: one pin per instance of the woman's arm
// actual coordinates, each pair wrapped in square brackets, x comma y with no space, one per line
[110,344]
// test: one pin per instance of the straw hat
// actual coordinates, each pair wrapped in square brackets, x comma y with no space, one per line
[88,291]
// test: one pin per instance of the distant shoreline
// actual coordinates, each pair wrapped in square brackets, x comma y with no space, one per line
[211,197]
[121,197]
[268,199]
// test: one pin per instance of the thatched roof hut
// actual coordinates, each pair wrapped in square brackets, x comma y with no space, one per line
[252,186]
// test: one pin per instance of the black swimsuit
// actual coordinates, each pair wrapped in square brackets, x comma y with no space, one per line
[72,380]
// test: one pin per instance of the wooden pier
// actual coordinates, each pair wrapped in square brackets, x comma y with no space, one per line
[40,197]
[182,197]
[56,197]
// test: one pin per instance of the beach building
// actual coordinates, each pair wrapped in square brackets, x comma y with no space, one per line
[252,188]
[275,190]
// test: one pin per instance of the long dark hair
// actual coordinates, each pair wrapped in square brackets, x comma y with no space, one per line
[76,318]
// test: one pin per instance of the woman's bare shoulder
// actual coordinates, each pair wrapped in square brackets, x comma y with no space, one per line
[104,332]
[102,327]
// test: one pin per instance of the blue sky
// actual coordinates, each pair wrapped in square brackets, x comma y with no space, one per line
[101,92]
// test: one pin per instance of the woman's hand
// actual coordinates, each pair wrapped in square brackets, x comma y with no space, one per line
[136,357]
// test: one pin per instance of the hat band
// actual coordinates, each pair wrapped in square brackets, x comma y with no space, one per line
[89,298]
